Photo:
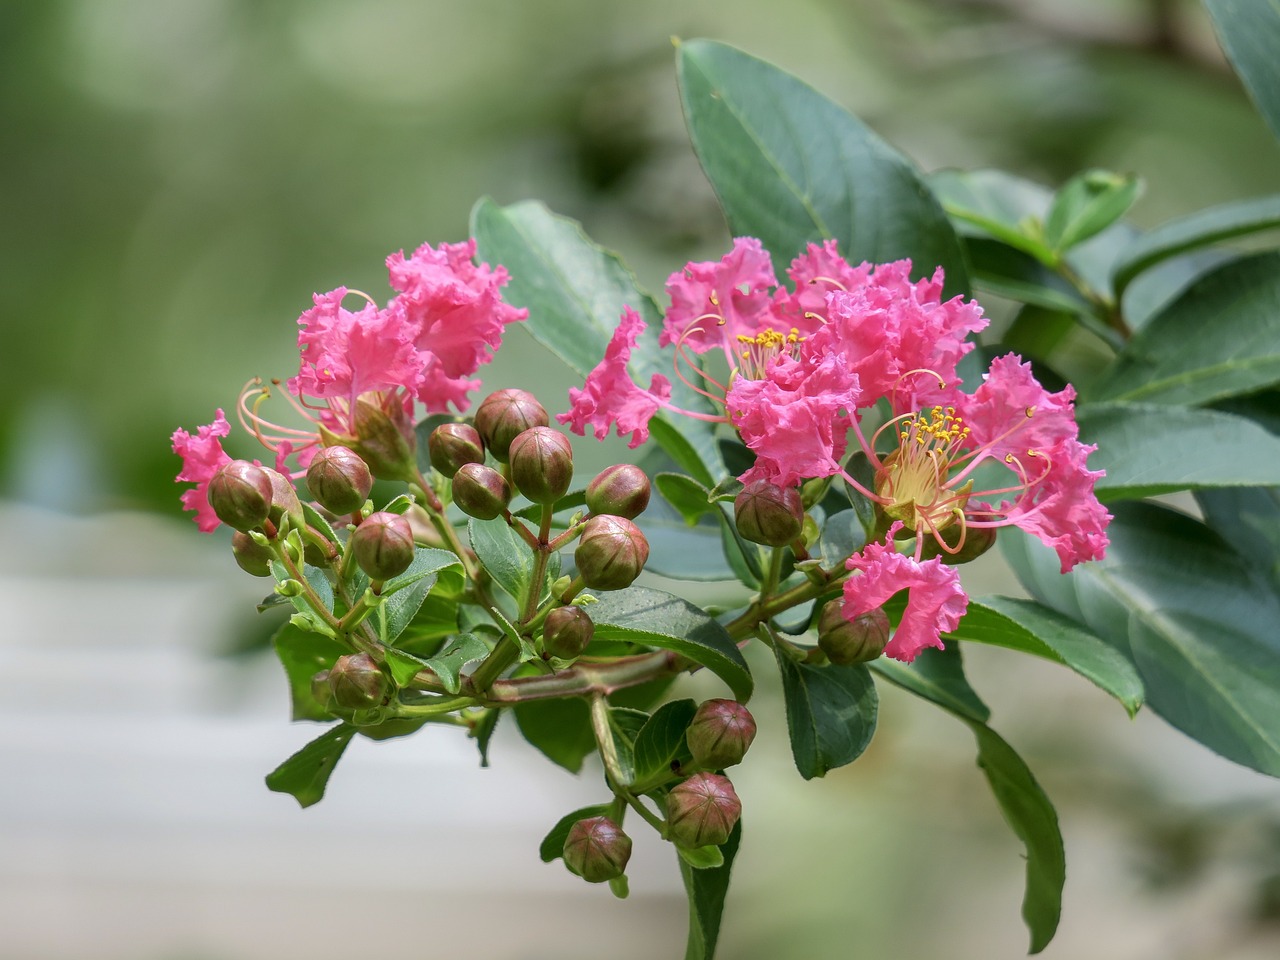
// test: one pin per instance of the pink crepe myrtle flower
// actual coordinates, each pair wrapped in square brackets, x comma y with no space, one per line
[201,455]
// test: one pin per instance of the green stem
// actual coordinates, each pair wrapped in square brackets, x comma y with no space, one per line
[603,730]
[649,817]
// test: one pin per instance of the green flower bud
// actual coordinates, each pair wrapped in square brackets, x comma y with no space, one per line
[621,490]
[504,415]
[541,464]
[769,514]
[284,501]
[453,444]
[720,733]
[851,641]
[611,553]
[250,556]
[702,811]
[596,849]
[339,480]
[480,491]
[383,544]
[385,439]
[240,494]
[356,683]
[566,632]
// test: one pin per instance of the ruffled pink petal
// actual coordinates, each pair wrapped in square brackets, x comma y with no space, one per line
[737,287]
[345,354]
[814,274]
[202,455]
[610,397]
[935,601]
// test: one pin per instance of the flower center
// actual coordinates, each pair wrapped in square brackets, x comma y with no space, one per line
[757,352]
[913,479]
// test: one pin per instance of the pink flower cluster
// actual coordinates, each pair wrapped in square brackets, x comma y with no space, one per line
[446,320]
[811,369]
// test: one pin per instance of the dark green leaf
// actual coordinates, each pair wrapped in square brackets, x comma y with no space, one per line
[790,167]
[625,724]
[1148,449]
[706,890]
[996,204]
[561,729]
[1087,204]
[1200,229]
[661,740]
[843,535]
[938,676]
[1015,275]
[687,495]
[1197,619]
[552,846]
[1219,338]
[831,713]
[1249,519]
[701,858]
[661,620]
[680,552]
[304,654]
[502,552]
[1250,34]
[576,292]
[306,774]
[482,733]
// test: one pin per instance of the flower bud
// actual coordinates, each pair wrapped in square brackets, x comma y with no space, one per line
[356,683]
[284,501]
[339,480]
[769,514]
[977,541]
[541,464]
[480,491]
[250,557]
[702,810]
[505,414]
[621,490]
[453,444]
[240,494]
[596,849]
[566,632]
[385,439]
[611,553]
[851,641]
[383,544]
[720,734]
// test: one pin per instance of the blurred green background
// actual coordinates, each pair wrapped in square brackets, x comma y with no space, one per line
[178,176]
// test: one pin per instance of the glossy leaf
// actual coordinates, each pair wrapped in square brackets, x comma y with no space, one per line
[405,594]
[661,740]
[305,775]
[936,675]
[447,664]
[1197,620]
[706,891]
[831,713]
[1148,449]
[690,498]
[661,620]
[576,292]
[504,554]
[998,205]
[1249,519]
[1250,34]
[552,846]
[791,167]
[681,552]
[1086,205]
[304,654]
[1219,338]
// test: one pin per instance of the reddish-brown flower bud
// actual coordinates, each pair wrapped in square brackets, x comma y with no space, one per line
[385,439]
[720,733]
[338,479]
[851,641]
[240,494]
[383,544]
[566,632]
[769,514]
[453,444]
[356,683]
[977,541]
[284,501]
[702,810]
[621,490]
[611,553]
[504,415]
[480,491]
[541,464]
[250,557]
[596,849]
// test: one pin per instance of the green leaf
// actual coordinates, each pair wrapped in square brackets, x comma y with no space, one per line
[706,890]
[1086,205]
[405,594]
[831,713]
[1014,275]
[319,523]
[1219,338]
[447,664]
[661,620]
[790,167]
[996,204]
[306,774]
[502,552]
[1194,231]
[681,552]
[482,733]
[687,495]
[843,535]
[1250,34]
[304,654]
[576,292]
[317,580]
[1027,626]
[1249,519]
[661,740]
[560,729]
[1196,618]
[701,858]
[1148,449]
[552,846]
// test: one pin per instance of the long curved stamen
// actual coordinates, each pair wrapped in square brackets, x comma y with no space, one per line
[810,315]
[936,533]
[361,293]
[831,280]
[977,454]
[868,449]
[893,396]
[680,350]
[873,497]
[253,422]
[875,437]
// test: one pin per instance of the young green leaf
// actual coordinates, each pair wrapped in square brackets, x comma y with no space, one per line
[706,889]
[701,858]
[305,775]
[1087,204]
[661,742]
[831,713]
